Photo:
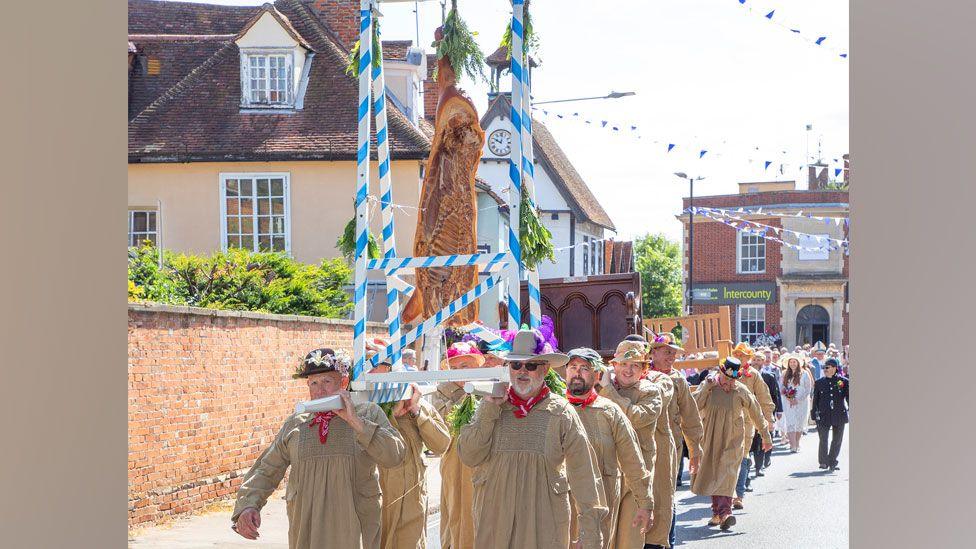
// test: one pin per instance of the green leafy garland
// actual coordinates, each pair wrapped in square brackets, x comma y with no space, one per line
[347,243]
[555,383]
[387,407]
[460,47]
[534,237]
[462,414]
[352,67]
[530,41]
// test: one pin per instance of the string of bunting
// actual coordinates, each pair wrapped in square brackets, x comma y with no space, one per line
[815,39]
[777,230]
[759,211]
[763,231]
[629,129]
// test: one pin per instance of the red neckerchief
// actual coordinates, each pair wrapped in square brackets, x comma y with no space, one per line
[582,401]
[523,407]
[322,419]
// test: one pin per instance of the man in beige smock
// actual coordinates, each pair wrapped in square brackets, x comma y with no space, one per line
[333,495]
[645,396]
[519,447]
[752,379]
[405,486]
[615,443]
[457,523]
[726,406]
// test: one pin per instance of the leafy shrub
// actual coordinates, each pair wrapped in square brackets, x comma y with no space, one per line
[241,280]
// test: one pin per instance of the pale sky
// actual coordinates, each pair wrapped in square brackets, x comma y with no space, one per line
[708,74]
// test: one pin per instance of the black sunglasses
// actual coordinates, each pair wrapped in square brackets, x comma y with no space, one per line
[529,366]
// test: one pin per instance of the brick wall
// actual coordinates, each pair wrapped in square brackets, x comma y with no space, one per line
[342,16]
[208,391]
[430,88]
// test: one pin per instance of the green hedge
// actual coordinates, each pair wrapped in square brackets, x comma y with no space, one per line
[241,280]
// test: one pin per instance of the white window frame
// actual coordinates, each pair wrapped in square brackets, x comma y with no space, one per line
[222,188]
[267,53]
[811,241]
[739,249]
[740,317]
[586,255]
[132,231]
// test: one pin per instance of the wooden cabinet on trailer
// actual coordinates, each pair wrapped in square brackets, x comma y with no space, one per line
[709,333]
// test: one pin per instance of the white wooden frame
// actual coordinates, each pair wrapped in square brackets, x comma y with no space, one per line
[738,317]
[738,252]
[245,63]
[147,210]
[222,188]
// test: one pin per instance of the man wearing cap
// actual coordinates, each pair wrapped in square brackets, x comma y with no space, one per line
[645,395]
[830,401]
[333,495]
[685,422]
[457,522]
[726,406]
[405,486]
[615,443]
[753,381]
[528,450]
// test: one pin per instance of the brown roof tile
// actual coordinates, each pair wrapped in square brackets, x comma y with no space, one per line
[500,57]
[198,117]
[396,50]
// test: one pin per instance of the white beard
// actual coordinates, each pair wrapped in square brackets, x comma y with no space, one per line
[531,389]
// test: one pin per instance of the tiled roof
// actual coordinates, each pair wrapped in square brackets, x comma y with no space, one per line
[191,110]
[549,154]
[500,57]
[396,50]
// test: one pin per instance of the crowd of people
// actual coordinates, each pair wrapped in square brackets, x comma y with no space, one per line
[578,452]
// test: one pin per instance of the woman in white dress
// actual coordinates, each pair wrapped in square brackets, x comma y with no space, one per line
[796,389]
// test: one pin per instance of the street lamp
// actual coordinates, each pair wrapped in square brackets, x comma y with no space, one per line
[691,236]
[611,95]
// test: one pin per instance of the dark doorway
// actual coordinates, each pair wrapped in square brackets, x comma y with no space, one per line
[812,325]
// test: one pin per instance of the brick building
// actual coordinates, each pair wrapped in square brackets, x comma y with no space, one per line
[800,294]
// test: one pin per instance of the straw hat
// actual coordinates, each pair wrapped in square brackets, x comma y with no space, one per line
[321,361]
[784,360]
[665,339]
[529,345]
[743,351]
[460,349]
[631,351]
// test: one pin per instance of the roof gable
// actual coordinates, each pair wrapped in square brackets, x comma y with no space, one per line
[269,28]
[557,165]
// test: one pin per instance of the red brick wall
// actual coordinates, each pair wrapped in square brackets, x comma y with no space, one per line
[208,391]
[342,16]
[430,88]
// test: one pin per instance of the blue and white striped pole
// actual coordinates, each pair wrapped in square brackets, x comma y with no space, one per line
[386,200]
[514,171]
[362,187]
[528,181]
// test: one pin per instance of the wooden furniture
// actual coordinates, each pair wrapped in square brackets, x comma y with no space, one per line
[703,333]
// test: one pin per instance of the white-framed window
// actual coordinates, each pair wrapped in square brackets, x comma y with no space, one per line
[255,212]
[808,242]
[751,253]
[752,322]
[266,78]
[143,226]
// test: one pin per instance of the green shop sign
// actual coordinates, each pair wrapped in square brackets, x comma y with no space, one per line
[734,293]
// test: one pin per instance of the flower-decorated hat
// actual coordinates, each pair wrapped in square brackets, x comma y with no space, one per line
[743,352]
[530,344]
[321,361]
[665,339]
[460,349]
[631,351]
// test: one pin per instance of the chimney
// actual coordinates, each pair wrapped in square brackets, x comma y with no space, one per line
[430,88]
[847,169]
[341,16]
[817,176]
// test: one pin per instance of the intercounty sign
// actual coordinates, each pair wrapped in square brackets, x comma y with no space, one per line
[733,293]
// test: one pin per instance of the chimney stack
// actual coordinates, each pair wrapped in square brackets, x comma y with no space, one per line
[341,16]
[817,176]
[430,89]
[847,169]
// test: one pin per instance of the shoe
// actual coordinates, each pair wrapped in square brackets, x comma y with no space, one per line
[823,466]
[794,450]
[760,473]
[834,467]
[678,484]
[716,520]
[766,464]
[727,522]
[737,504]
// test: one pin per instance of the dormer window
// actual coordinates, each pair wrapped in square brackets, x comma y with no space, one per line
[266,78]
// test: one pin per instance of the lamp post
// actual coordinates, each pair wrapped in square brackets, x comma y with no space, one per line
[611,95]
[691,236]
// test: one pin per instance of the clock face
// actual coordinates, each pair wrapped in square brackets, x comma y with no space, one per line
[500,142]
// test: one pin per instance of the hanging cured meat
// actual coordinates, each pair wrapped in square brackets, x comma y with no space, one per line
[448,215]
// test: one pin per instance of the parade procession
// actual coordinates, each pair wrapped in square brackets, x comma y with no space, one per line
[539,448]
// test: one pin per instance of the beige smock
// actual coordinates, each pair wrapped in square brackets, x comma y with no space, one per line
[754,382]
[617,450]
[523,471]
[643,403]
[686,423]
[724,416]
[405,487]
[333,494]
[457,523]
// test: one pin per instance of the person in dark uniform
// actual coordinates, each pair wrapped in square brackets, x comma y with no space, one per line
[762,458]
[829,411]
